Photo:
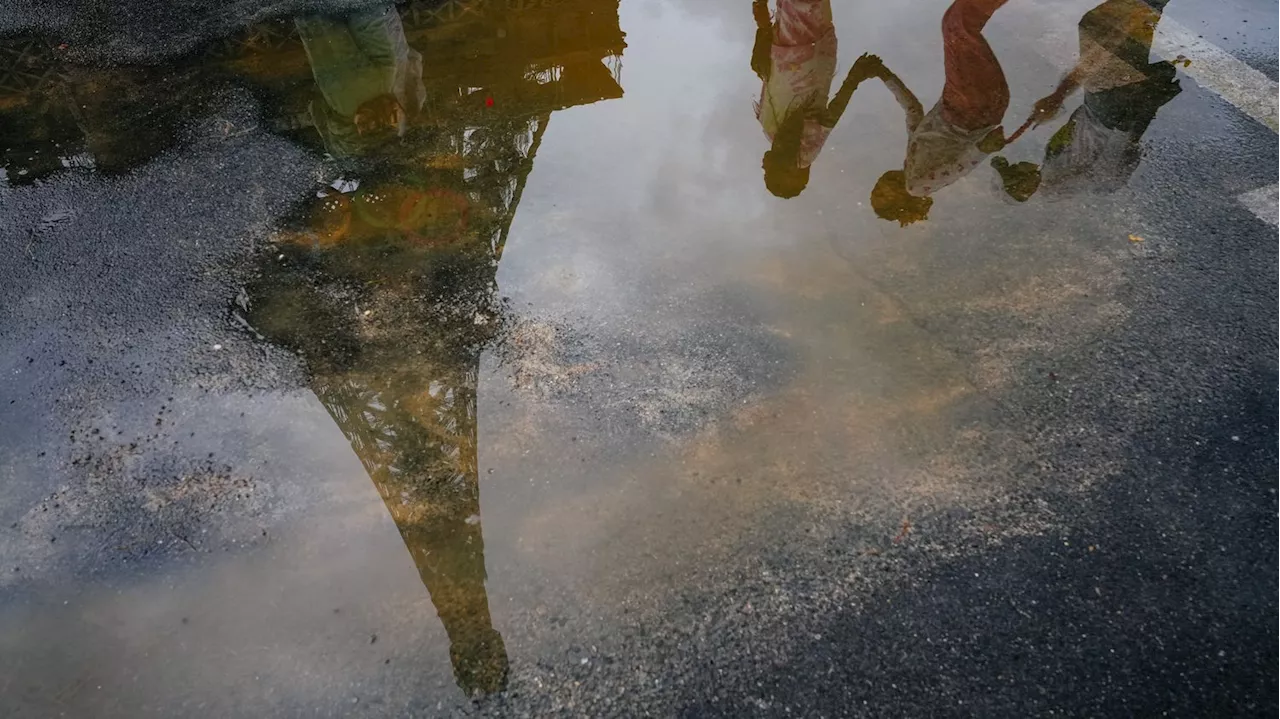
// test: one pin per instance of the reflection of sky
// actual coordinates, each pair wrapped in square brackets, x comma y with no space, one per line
[673,168]
[671,163]
[268,625]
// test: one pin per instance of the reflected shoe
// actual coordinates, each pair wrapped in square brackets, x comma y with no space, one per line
[1020,180]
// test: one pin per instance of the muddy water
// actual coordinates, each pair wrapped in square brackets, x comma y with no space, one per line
[521,351]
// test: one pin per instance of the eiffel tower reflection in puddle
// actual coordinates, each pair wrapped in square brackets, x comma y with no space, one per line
[432,112]
[389,289]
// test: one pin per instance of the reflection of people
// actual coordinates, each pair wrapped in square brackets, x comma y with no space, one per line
[961,129]
[367,75]
[1098,148]
[795,57]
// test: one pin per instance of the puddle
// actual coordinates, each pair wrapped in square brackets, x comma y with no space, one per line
[584,317]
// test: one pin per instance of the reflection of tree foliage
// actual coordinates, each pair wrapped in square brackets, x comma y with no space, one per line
[551,54]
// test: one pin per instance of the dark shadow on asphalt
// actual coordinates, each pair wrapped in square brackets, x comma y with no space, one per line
[1155,606]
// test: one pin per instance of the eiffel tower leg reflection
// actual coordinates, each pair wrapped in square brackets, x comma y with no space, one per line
[449,553]
[415,433]
[390,291]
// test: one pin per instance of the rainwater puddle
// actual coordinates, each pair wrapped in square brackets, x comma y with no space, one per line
[444,356]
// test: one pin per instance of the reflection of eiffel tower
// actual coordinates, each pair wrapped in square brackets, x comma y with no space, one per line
[402,386]
[416,436]
[27,70]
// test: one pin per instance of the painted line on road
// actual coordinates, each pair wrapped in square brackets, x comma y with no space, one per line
[1217,70]
[1263,202]
[1251,92]
[1213,68]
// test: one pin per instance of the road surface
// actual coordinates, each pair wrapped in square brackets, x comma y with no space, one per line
[598,358]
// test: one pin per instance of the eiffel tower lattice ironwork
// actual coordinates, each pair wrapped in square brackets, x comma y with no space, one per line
[28,69]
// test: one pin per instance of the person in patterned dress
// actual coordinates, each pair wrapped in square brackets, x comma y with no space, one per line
[795,58]
[961,129]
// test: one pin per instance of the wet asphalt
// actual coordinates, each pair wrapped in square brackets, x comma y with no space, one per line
[739,456]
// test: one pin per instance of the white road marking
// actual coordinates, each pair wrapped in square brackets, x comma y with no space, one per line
[1263,202]
[1213,68]
[1250,91]
[1216,69]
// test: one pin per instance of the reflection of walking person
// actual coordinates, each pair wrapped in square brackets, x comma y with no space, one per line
[795,57]
[1099,148]
[367,75]
[964,127]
